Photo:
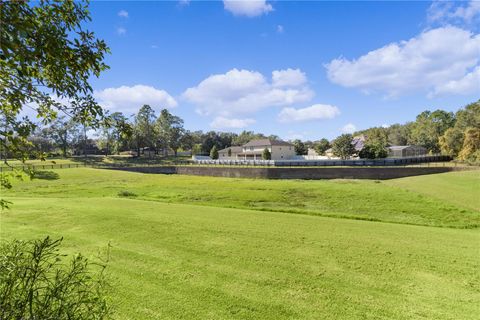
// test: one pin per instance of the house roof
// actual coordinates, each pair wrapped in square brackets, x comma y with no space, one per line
[267,142]
[359,142]
[235,149]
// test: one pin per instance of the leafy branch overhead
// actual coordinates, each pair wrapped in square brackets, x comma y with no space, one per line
[47,59]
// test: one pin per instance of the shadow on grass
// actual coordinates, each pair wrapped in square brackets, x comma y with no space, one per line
[46,175]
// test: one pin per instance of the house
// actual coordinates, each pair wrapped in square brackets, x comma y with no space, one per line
[280,150]
[234,151]
[406,151]
[312,154]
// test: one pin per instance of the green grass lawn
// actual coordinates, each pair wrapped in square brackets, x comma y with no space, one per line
[179,252]
[389,201]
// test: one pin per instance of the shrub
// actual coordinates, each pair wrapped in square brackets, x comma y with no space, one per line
[126,193]
[266,155]
[35,283]
[214,153]
[373,151]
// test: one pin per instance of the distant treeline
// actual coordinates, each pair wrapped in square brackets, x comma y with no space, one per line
[455,134]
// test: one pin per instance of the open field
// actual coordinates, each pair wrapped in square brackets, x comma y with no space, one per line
[178,252]
[96,160]
[389,201]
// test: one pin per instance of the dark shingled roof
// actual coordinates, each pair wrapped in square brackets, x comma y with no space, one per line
[267,142]
[235,149]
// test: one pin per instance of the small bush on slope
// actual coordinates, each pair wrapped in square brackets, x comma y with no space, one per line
[36,284]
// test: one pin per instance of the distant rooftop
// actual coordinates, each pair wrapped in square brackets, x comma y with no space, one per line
[235,149]
[266,142]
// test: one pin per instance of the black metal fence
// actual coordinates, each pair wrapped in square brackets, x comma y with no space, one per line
[41,166]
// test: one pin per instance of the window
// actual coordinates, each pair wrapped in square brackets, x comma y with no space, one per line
[251,148]
[289,148]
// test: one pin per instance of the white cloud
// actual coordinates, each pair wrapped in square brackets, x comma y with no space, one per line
[123,13]
[184,2]
[450,12]
[121,31]
[129,99]
[280,29]
[288,77]
[249,8]
[469,84]
[423,63]
[224,123]
[349,128]
[243,92]
[315,112]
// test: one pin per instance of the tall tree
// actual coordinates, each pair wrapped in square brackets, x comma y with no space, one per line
[429,127]
[114,133]
[187,141]
[343,146]
[246,136]
[300,148]
[468,117]
[169,131]
[451,142]
[377,136]
[220,140]
[144,128]
[398,134]
[471,146]
[322,146]
[64,133]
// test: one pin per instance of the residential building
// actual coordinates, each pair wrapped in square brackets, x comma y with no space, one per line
[253,150]
[234,151]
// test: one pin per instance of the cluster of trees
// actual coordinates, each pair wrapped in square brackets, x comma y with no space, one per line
[143,131]
[454,134]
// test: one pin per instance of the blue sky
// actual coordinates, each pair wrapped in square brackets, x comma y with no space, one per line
[296,69]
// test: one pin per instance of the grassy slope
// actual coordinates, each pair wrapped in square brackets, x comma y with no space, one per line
[173,261]
[393,201]
[461,188]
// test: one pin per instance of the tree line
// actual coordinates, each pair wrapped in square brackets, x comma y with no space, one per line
[454,134]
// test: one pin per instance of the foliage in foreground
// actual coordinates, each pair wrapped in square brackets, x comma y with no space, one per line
[35,283]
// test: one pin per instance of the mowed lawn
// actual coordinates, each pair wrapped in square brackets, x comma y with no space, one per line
[203,261]
[449,200]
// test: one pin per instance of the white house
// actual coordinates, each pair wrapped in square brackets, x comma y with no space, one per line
[234,151]
[280,150]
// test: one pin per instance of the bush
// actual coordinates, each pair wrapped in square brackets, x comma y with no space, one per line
[126,193]
[214,153]
[373,151]
[266,155]
[36,284]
